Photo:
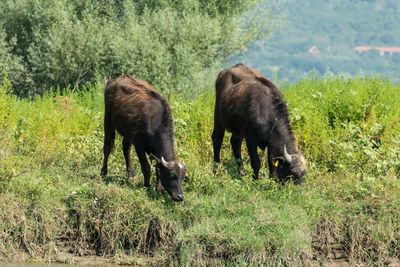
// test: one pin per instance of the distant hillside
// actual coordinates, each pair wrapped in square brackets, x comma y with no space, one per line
[332,29]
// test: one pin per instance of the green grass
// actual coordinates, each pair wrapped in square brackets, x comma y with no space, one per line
[53,199]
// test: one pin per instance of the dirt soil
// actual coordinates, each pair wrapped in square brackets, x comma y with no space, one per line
[90,259]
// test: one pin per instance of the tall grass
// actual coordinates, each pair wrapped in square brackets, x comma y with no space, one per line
[54,201]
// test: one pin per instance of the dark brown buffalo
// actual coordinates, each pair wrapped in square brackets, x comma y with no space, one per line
[252,107]
[143,117]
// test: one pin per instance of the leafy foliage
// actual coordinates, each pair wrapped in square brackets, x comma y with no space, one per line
[170,44]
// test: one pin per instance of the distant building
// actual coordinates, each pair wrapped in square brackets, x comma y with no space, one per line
[361,49]
[389,50]
[313,50]
[382,50]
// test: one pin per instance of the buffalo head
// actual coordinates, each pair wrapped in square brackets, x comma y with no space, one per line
[291,166]
[171,173]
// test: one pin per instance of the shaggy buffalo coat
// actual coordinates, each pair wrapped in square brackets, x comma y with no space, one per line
[143,117]
[252,108]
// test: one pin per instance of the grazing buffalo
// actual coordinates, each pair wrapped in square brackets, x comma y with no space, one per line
[143,117]
[252,107]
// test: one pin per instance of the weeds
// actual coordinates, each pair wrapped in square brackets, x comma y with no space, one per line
[52,195]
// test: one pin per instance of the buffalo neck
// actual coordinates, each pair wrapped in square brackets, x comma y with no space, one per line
[281,135]
[164,144]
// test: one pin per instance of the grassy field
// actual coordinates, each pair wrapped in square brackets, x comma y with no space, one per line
[54,203]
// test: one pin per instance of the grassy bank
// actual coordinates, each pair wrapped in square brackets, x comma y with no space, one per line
[53,201]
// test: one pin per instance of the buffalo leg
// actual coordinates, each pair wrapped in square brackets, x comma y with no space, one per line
[255,160]
[159,187]
[144,164]
[236,143]
[272,167]
[126,147]
[217,137]
[109,137]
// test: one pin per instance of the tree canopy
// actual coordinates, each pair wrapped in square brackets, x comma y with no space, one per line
[169,43]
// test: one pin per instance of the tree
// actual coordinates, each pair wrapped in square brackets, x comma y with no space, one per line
[11,64]
[170,43]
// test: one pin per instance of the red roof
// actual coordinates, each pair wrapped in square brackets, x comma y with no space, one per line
[389,49]
[382,49]
[363,48]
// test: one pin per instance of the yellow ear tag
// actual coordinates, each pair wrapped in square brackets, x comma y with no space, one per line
[276,163]
[154,162]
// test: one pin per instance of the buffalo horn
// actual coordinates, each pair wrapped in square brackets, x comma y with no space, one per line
[167,164]
[286,155]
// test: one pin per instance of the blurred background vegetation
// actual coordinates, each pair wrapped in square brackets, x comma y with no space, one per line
[335,28]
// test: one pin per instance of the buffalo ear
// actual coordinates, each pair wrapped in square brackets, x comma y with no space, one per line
[154,159]
[275,160]
[182,166]
[186,179]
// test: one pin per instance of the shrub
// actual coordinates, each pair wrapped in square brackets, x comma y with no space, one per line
[170,44]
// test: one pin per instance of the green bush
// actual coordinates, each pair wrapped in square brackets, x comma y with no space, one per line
[170,44]
[346,122]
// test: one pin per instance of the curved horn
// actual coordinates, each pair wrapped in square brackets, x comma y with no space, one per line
[286,155]
[167,164]
[163,162]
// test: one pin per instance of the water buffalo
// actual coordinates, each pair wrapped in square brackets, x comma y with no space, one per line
[143,117]
[251,107]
